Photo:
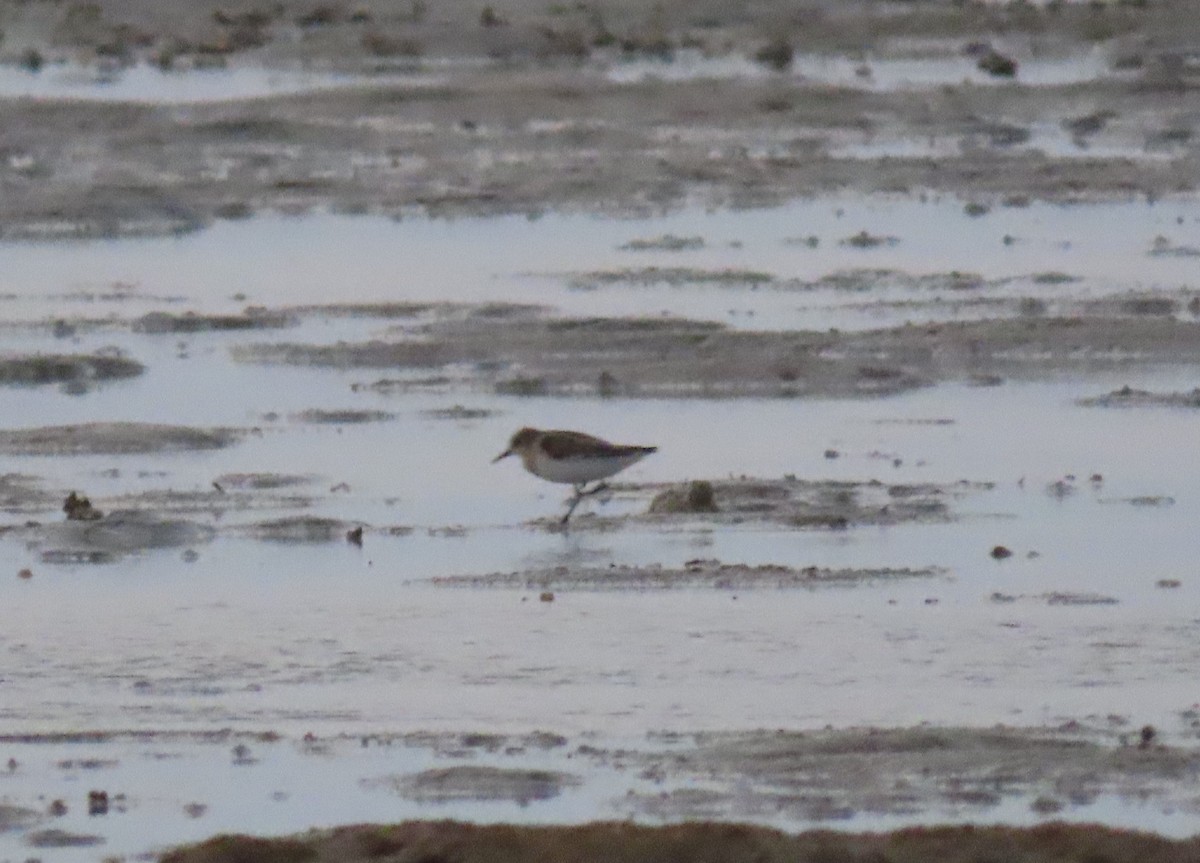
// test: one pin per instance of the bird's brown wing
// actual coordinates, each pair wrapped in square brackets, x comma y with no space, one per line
[572,444]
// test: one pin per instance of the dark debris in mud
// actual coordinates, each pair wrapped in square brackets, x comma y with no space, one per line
[79,508]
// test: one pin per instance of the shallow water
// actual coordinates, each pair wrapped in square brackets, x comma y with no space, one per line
[144,84]
[323,258]
[943,67]
[293,786]
[292,638]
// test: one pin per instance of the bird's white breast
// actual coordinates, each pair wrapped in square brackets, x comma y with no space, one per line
[579,469]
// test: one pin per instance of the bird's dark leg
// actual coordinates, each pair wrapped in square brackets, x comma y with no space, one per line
[579,494]
[581,491]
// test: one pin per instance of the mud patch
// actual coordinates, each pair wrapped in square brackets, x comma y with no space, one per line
[298,529]
[458,413]
[695,574]
[1128,397]
[664,243]
[40,369]
[192,322]
[23,494]
[119,438]
[383,311]
[832,775]
[17,817]
[260,481]
[860,279]
[319,416]
[471,782]
[676,277]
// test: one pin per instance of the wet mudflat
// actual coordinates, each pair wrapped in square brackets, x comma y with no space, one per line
[899,565]
[919,355]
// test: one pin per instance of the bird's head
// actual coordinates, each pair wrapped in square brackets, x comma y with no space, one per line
[519,442]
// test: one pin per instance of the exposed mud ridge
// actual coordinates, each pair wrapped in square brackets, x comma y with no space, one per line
[193,322]
[529,354]
[36,369]
[702,842]
[805,503]
[943,291]
[789,501]
[1058,598]
[695,573]
[258,481]
[1128,397]
[478,782]
[835,774]
[230,493]
[673,276]
[119,438]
